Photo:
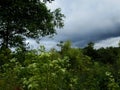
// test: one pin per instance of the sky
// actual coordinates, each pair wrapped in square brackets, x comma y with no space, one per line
[87,21]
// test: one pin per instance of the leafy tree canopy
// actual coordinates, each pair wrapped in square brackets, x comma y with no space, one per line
[21,19]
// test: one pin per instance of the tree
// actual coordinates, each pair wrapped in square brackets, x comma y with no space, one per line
[21,19]
[90,51]
[108,55]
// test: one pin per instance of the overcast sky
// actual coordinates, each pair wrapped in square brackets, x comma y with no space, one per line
[87,20]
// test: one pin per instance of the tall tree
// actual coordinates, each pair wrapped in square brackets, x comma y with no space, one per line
[21,19]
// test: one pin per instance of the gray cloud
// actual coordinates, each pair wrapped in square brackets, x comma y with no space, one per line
[81,38]
[87,20]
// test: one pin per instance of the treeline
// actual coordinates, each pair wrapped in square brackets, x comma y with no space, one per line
[66,69]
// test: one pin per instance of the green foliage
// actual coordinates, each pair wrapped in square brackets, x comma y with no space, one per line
[5,55]
[90,51]
[40,71]
[108,55]
[67,69]
[9,75]
[105,55]
[44,72]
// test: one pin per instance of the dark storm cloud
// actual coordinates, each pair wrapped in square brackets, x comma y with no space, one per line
[96,36]
[81,37]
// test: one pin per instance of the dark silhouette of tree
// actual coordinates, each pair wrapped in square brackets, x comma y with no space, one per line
[21,19]
[90,51]
[108,55]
